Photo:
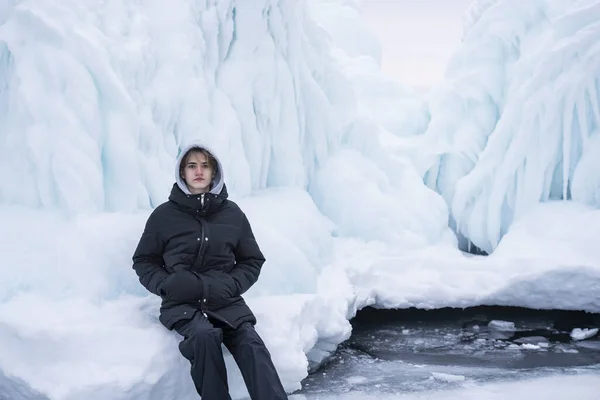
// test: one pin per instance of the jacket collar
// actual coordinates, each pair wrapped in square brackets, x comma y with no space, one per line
[198,204]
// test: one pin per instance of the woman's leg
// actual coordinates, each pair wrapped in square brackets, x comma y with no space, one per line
[254,361]
[202,347]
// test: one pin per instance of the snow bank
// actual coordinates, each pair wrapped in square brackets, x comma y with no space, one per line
[529,269]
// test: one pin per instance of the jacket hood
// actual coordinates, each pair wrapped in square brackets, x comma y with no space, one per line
[218,181]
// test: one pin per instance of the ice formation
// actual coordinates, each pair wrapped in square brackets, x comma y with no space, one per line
[518,116]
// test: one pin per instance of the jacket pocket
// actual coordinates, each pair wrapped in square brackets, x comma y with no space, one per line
[169,316]
[221,288]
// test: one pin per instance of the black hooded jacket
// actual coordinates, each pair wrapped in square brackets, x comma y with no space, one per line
[198,253]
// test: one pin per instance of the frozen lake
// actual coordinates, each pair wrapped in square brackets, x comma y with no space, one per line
[472,353]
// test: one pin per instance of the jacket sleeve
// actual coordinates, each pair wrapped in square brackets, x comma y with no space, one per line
[248,259]
[147,259]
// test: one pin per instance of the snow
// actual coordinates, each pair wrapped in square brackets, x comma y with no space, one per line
[97,97]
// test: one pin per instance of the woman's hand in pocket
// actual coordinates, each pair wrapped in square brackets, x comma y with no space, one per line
[222,287]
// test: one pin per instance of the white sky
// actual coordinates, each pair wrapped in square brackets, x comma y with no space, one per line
[417,36]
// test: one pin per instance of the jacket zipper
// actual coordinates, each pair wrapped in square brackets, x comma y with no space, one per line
[204,285]
[202,240]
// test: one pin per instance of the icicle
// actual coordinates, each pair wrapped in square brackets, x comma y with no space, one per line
[594,100]
[567,133]
[584,127]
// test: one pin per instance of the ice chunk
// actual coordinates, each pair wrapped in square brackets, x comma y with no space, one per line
[582,334]
[447,377]
[530,340]
[530,346]
[570,351]
[590,344]
[504,326]
[353,380]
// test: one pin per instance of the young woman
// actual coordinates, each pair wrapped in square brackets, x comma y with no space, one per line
[198,253]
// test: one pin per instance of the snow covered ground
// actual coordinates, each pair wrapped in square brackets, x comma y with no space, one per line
[96,98]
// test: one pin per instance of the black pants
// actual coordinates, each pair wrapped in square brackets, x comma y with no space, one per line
[202,347]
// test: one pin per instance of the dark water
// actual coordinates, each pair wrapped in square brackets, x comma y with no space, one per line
[416,350]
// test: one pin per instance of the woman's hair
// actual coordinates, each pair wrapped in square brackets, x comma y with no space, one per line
[212,161]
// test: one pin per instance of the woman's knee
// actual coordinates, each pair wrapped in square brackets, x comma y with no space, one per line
[199,342]
[199,335]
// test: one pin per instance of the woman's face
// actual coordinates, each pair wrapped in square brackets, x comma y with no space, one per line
[198,173]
